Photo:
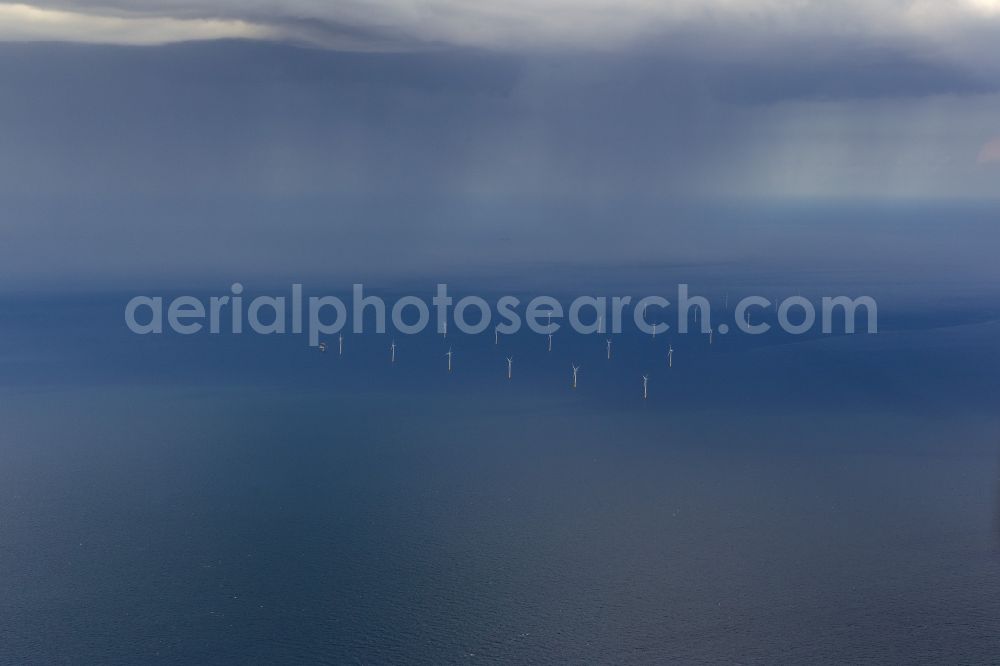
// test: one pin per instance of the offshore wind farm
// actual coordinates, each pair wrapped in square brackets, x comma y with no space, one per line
[706,365]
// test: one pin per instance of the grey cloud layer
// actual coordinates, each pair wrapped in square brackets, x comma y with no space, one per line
[759,49]
[965,29]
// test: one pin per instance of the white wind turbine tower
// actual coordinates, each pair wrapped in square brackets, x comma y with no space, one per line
[392,349]
[670,356]
[710,331]
[496,335]
[510,366]
[449,359]
[550,342]
[609,349]
[341,341]
[645,387]
[576,369]
[444,331]
[654,330]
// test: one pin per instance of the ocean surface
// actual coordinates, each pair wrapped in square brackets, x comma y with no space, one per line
[249,499]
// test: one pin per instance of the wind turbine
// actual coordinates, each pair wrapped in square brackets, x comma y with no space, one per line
[609,349]
[670,356]
[341,340]
[510,366]
[496,335]
[392,348]
[654,330]
[550,342]
[576,369]
[444,331]
[710,331]
[449,359]
[645,386]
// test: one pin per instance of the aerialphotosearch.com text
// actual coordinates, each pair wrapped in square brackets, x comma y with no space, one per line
[325,315]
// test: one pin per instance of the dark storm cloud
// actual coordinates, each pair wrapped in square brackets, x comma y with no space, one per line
[257,117]
[220,154]
[242,118]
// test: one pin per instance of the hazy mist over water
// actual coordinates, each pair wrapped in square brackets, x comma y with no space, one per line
[935,250]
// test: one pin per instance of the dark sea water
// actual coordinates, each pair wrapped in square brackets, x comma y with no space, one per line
[241,499]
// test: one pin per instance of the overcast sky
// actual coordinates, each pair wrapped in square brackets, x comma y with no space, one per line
[119,103]
[956,26]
